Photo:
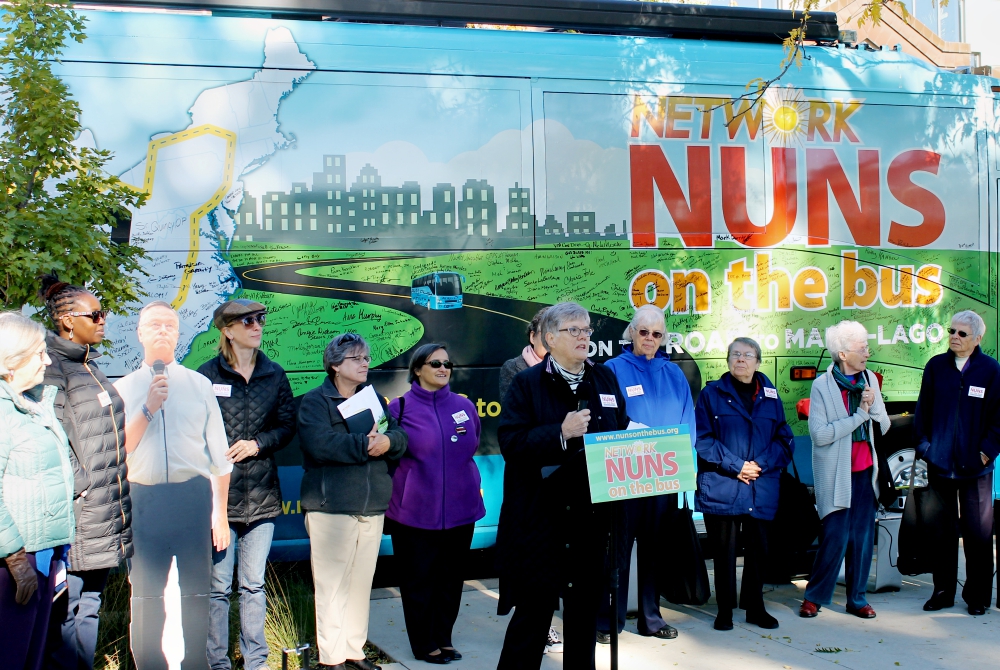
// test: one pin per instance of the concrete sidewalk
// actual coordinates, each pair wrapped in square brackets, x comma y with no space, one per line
[902,635]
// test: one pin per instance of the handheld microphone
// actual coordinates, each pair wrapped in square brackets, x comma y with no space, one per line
[159,367]
[583,396]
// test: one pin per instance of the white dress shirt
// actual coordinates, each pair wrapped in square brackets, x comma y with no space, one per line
[191,442]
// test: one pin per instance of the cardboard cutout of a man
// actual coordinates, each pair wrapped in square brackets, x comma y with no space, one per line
[176,444]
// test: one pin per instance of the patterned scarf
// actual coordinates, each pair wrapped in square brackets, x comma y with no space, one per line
[572,378]
[530,357]
[854,390]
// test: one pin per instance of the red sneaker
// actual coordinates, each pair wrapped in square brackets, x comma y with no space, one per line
[808,609]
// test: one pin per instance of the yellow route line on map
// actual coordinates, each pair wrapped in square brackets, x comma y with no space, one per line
[204,209]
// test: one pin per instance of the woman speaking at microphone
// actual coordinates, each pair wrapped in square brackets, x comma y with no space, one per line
[552,541]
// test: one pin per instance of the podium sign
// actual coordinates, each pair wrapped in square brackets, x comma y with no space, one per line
[638,463]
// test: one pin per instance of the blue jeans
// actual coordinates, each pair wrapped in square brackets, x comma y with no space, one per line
[252,542]
[849,532]
[73,640]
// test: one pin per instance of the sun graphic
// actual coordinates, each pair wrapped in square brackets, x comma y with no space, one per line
[785,116]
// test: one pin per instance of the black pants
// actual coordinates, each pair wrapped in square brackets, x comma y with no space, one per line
[722,534]
[643,518]
[168,521]
[431,567]
[966,507]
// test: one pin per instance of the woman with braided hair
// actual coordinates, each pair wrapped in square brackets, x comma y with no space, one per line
[93,416]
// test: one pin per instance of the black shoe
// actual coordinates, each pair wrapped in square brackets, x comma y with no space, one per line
[939,601]
[724,621]
[668,632]
[762,619]
[452,653]
[977,610]
[603,638]
[436,659]
[362,664]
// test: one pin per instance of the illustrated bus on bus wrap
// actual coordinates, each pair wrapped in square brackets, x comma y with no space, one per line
[438,290]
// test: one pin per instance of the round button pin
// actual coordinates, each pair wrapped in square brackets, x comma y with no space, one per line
[454,438]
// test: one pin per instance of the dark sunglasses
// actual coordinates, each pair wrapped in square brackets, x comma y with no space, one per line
[951,331]
[96,316]
[249,320]
[657,335]
[447,365]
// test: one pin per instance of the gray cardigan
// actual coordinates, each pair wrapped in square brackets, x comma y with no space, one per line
[830,428]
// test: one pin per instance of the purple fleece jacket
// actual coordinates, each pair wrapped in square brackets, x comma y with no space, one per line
[436,485]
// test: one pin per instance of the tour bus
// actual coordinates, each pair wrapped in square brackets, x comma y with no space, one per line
[323,167]
[438,290]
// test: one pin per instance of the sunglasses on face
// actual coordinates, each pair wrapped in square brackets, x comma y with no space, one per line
[961,333]
[96,316]
[447,365]
[657,335]
[250,319]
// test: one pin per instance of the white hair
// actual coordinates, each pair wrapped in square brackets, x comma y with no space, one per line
[20,338]
[975,322]
[840,337]
[647,315]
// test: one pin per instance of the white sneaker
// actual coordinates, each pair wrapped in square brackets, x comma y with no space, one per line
[553,645]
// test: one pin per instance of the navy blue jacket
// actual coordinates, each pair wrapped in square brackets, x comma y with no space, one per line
[727,437]
[958,415]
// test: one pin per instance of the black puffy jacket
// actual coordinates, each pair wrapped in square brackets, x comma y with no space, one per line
[261,410]
[95,425]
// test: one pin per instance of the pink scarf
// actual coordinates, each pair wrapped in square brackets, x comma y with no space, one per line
[530,357]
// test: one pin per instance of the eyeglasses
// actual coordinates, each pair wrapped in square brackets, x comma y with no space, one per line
[447,365]
[41,354]
[864,351]
[96,316]
[250,319]
[577,332]
[961,333]
[347,338]
[657,335]
[745,355]
[361,359]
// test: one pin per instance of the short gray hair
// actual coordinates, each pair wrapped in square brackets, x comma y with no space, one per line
[559,314]
[644,315]
[342,346]
[840,337]
[748,341]
[973,320]
[19,338]
[157,304]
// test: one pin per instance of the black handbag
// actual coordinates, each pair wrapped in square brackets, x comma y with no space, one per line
[887,493]
[685,579]
[917,529]
[795,527]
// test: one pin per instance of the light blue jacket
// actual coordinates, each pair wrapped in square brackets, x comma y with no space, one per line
[656,391]
[36,475]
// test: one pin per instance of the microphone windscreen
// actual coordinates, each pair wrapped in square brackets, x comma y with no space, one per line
[582,395]
[158,367]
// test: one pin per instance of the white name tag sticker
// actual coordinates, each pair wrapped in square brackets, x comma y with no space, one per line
[633,391]
[104,398]
[608,400]
[222,390]
[460,416]
[977,392]
[770,392]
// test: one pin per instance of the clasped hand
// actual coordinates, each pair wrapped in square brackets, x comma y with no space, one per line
[378,443]
[867,398]
[750,472]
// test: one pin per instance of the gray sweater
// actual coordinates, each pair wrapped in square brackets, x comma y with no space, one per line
[830,428]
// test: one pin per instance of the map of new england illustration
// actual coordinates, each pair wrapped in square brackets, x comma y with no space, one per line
[192,177]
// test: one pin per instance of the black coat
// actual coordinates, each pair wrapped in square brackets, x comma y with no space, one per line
[96,434]
[340,477]
[550,534]
[261,410]
[958,415]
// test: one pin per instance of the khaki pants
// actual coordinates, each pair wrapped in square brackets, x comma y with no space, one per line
[344,550]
